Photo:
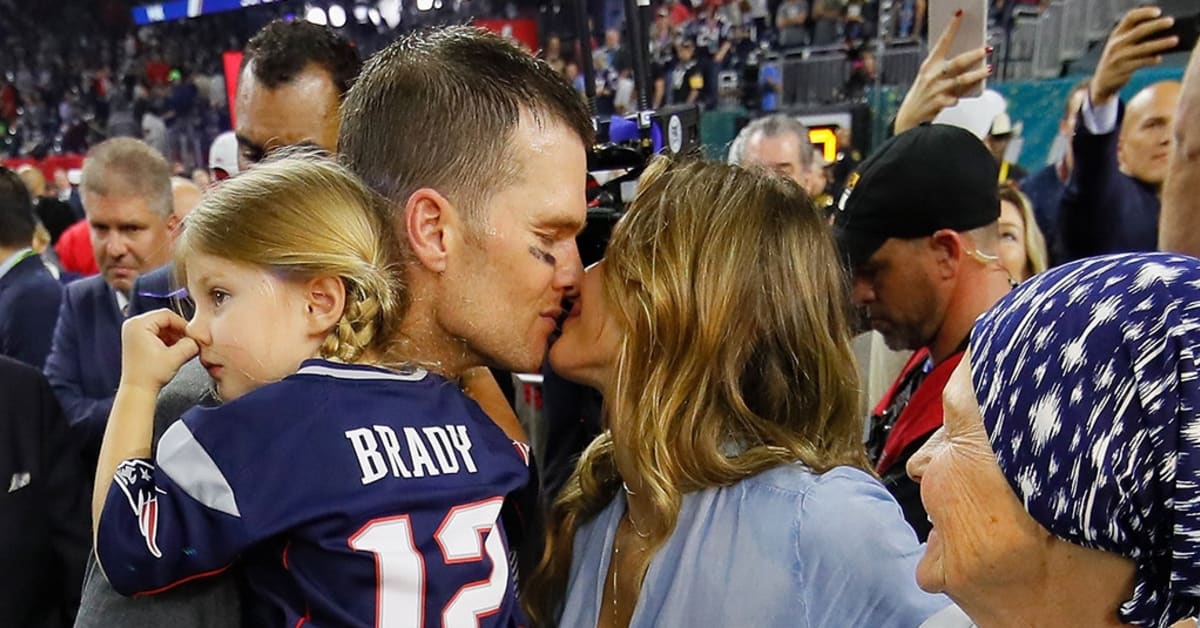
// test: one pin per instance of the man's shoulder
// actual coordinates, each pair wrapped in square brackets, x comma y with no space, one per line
[86,287]
[157,281]
[34,286]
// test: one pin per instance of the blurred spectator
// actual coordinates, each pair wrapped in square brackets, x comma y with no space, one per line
[684,78]
[201,178]
[998,139]
[791,22]
[552,53]
[1111,202]
[826,18]
[918,231]
[779,143]
[863,73]
[74,249]
[29,293]
[185,196]
[1046,186]
[54,215]
[678,12]
[45,530]
[1022,248]
[127,196]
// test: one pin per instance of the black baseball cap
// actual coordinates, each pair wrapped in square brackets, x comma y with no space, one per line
[929,178]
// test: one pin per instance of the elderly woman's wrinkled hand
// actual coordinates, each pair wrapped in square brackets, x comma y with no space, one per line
[941,82]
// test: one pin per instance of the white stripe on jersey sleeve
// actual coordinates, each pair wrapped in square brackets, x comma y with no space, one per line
[313,369]
[186,462]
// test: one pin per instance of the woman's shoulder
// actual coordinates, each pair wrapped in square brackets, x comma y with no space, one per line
[798,480]
[840,500]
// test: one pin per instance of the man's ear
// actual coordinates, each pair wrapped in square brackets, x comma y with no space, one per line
[174,225]
[430,220]
[948,248]
[325,300]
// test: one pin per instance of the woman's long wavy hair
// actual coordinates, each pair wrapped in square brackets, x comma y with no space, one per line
[735,357]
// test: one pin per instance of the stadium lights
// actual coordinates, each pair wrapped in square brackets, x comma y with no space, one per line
[316,15]
[373,13]
[337,15]
[424,5]
[361,13]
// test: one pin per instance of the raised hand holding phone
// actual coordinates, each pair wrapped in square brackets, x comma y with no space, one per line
[1135,43]
[943,78]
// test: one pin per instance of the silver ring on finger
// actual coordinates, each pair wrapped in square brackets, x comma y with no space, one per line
[945,68]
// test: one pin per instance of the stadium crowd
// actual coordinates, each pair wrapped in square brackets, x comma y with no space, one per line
[277,391]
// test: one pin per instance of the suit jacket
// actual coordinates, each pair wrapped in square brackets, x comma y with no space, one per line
[84,366]
[156,290]
[29,300]
[44,514]
[1104,210]
[201,603]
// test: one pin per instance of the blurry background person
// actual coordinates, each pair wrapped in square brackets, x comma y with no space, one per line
[44,520]
[998,139]
[1022,249]
[1045,187]
[1063,487]
[54,214]
[778,143]
[29,294]
[733,434]
[1111,203]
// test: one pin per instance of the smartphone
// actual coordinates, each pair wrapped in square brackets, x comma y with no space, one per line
[972,32]
[1187,29]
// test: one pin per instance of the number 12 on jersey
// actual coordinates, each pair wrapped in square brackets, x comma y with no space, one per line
[466,533]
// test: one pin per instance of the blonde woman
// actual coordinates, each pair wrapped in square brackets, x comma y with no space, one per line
[1022,247]
[350,492]
[731,488]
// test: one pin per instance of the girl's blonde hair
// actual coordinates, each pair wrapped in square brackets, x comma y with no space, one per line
[303,215]
[735,355]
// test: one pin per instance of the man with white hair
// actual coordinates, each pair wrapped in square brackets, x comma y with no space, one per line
[780,143]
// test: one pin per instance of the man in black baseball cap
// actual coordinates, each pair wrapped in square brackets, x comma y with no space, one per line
[917,228]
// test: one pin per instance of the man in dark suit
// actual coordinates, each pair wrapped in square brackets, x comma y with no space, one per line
[1111,204]
[29,294]
[126,192]
[44,518]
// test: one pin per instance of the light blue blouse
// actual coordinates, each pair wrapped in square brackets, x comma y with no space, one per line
[784,548]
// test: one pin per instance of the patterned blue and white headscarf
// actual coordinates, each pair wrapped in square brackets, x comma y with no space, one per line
[1089,387]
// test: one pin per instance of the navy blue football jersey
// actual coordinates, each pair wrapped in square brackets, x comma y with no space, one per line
[349,495]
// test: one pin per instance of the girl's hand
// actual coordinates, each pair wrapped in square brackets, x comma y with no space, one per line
[940,81]
[153,347]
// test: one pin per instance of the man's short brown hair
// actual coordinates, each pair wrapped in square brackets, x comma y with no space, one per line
[124,166]
[438,108]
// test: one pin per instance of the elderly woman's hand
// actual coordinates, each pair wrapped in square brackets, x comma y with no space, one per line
[941,82]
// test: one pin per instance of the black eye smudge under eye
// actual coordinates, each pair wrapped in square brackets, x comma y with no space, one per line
[544,256]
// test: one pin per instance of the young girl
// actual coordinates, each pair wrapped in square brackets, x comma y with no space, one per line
[351,494]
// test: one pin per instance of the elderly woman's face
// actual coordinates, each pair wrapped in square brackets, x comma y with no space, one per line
[981,534]
[590,336]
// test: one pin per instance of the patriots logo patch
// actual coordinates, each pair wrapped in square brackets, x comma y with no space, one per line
[136,480]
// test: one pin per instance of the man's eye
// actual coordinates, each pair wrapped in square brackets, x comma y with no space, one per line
[218,296]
